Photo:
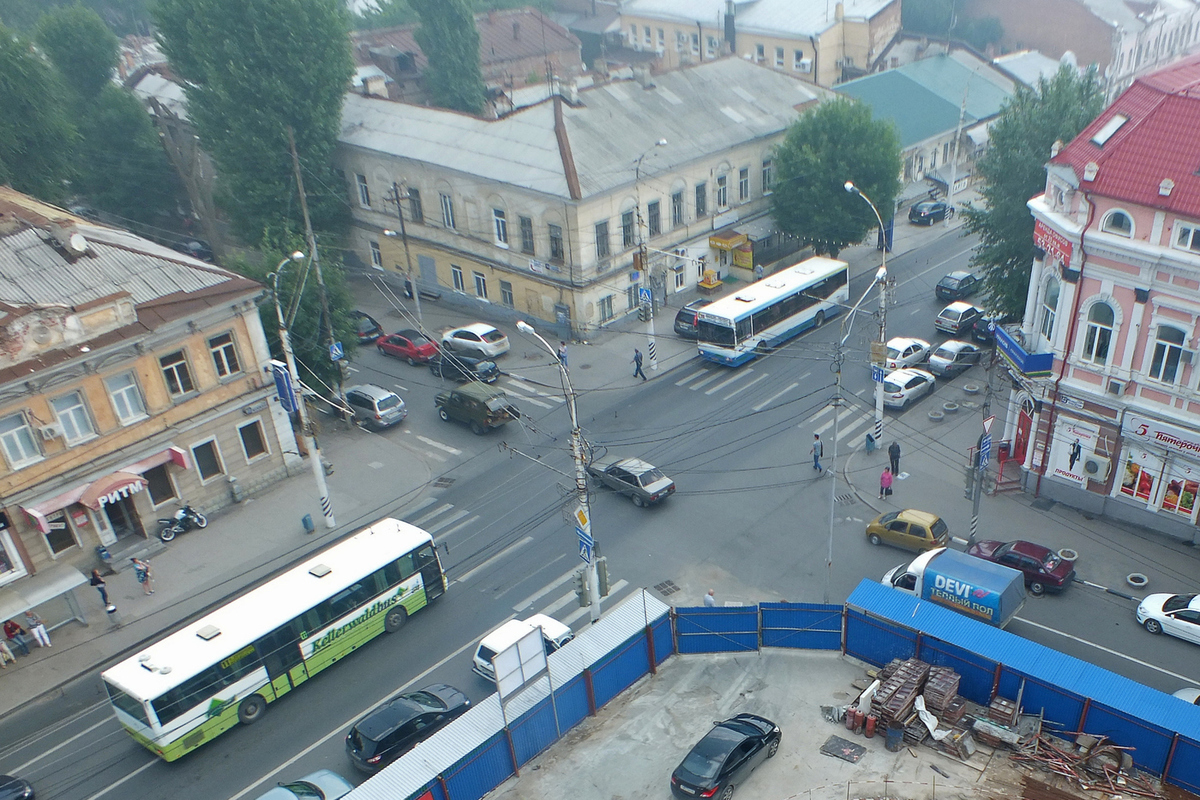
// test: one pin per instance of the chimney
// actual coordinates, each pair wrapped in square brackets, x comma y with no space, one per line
[730,26]
[517,31]
[839,12]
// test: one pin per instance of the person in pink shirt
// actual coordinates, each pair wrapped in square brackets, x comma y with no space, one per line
[885,482]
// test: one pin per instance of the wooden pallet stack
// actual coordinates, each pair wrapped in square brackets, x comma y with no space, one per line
[1003,712]
[893,702]
[941,689]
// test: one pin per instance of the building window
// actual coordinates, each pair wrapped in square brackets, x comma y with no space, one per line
[447,211]
[712,47]
[480,286]
[1049,306]
[768,175]
[695,44]
[556,243]
[376,255]
[253,442]
[73,416]
[760,53]
[16,437]
[414,206]
[662,39]
[631,296]
[208,460]
[602,239]
[1118,222]
[646,33]
[798,60]
[677,209]
[501,225]
[680,279]
[364,191]
[158,483]
[456,274]
[506,294]
[1187,237]
[527,235]
[654,217]
[1099,333]
[1168,350]
[633,35]
[606,307]
[744,184]
[627,240]
[701,200]
[176,373]
[126,399]
[779,57]
[722,191]
[224,355]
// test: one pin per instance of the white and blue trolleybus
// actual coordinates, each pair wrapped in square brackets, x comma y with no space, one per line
[735,329]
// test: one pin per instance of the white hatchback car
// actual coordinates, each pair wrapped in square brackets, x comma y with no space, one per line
[478,340]
[903,351]
[1176,614]
[906,385]
[323,784]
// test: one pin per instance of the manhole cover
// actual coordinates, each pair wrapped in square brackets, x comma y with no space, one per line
[666,588]
[585,366]
[443,483]
[845,499]
[1043,503]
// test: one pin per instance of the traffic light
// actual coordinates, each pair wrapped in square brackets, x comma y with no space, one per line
[644,312]
[602,575]
[581,587]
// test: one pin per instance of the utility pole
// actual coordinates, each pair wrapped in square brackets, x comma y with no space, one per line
[881,355]
[412,279]
[640,259]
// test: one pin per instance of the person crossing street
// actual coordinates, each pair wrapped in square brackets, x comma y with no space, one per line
[637,364]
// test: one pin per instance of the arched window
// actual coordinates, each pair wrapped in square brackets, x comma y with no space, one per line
[1099,333]
[1168,349]
[1118,222]
[1049,306]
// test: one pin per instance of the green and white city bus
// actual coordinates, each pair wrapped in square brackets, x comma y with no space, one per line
[224,668]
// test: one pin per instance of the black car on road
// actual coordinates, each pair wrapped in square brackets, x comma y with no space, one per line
[956,285]
[463,368]
[401,723]
[725,757]
[685,319]
[365,327]
[929,212]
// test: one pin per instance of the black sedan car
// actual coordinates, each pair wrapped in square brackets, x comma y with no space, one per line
[401,723]
[725,757]
[366,328]
[463,368]
[930,212]
[12,788]
[644,484]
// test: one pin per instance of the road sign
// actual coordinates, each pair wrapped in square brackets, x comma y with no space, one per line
[987,425]
[877,373]
[985,450]
[336,353]
[584,536]
[585,552]
[644,294]
[283,386]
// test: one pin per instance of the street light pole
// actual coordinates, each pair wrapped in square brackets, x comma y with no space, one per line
[583,514]
[847,325]
[314,452]
[651,349]
[412,280]
[852,189]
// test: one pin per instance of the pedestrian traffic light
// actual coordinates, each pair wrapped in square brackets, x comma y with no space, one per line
[581,587]
[602,575]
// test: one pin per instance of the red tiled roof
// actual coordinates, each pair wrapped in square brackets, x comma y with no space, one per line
[1161,140]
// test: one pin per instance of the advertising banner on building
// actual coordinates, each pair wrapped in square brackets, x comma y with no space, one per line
[1073,441]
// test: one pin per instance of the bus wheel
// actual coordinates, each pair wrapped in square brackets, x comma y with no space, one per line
[395,619]
[251,709]
[819,319]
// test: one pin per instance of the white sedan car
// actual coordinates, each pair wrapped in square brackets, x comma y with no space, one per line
[906,385]
[477,340]
[905,352]
[1176,614]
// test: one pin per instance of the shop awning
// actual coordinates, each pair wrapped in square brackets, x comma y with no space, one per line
[726,240]
[105,485]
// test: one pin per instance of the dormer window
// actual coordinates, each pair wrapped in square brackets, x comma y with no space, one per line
[1118,222]
[1100,137]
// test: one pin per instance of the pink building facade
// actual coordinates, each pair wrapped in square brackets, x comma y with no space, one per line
[1112,425]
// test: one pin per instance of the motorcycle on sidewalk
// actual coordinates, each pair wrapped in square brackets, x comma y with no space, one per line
[185,519]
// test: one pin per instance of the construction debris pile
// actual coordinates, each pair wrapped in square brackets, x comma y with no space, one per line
[1091,762]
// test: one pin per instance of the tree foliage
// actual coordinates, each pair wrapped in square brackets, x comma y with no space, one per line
[1013,170]
[450,41]
[82,48]
[122,16]
[938,18]
[835,142]
[252,70]
[37,138]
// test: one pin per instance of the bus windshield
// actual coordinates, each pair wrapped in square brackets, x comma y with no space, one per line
[713,332]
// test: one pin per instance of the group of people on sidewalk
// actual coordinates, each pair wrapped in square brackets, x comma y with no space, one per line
[16,636]
[886,477]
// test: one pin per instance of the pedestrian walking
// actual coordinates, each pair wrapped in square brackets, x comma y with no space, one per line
[817,451]
[885,482]
[16,635]
[894,457]
[562,353]
[6,655]
[710,599]
[38,628]
[637,364]
[758,272]
[101,586]
[141,570]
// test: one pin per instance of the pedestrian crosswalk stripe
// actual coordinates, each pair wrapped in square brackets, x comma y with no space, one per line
[518,382]
[450,520]
[737,376]
[536,402]
[734,394]
[852,427]
[692,377]
[439,510]
[705,381]
[775,397]
[831,422]
[444,535]
[440,446]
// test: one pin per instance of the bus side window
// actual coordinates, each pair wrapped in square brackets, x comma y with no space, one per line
[391,574]
[405,562]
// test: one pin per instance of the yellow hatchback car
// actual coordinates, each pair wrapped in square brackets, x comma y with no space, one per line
[909,529]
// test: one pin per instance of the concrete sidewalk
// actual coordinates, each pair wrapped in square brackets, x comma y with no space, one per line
[374,476]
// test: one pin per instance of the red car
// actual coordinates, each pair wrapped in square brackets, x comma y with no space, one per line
[409,345]
[1045,571]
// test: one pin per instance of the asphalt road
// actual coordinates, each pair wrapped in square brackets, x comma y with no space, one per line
[750,516]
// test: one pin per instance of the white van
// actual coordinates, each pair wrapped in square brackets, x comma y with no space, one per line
[554,635]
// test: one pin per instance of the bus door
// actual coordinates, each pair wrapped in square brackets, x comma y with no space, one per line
[431,572]
[280,654]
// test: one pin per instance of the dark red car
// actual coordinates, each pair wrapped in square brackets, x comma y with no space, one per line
[409,345]
[1045,571]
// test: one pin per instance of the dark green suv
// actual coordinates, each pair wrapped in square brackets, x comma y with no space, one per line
[478,405]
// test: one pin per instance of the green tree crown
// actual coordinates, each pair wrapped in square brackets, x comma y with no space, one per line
[450,41]
[81,46]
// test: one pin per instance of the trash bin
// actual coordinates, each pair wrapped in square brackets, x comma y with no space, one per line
[895,736]
[114,618]
[307,522]
[870,443]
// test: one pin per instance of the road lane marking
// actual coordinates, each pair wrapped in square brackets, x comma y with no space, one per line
[775,397]
[401,388]
[705,381]
[693,376]
[466,576]
[17,770]
[131,776]
[737,376]
[452,450]
[439,510]
[1110,651]
[732,395]
[549,587]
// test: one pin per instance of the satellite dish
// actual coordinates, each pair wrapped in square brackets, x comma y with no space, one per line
[41,334]
[78,243]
